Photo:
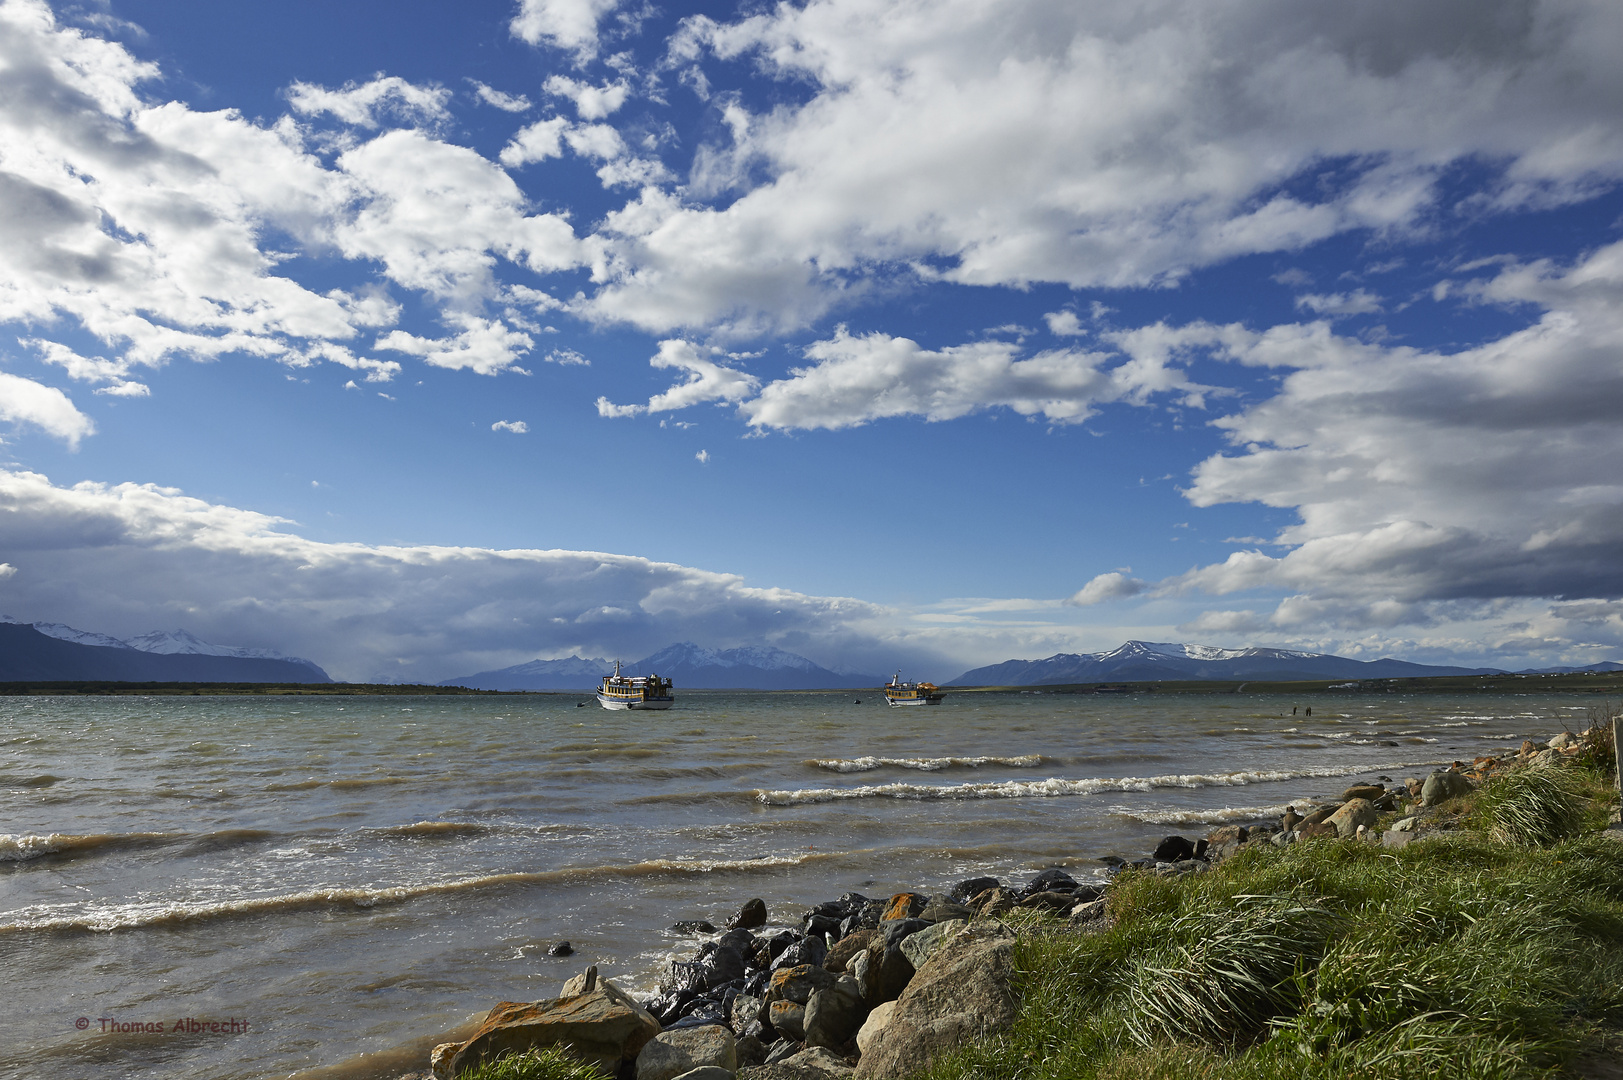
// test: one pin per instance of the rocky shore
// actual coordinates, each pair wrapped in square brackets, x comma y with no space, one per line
[879,987]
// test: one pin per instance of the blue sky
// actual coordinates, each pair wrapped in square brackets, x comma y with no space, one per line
[425,338]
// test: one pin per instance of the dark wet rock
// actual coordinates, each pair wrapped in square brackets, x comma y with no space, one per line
[668,1006]
[772,946]
[699,1013]
[783,1048]
[742,941]
[757,983]
[940,909]
[822,926]
[963,992]
[846,948]
[692,926]
[887,974]
[562,948]
[721,965]
[1174,849]
[834,1014]
[789,1018]
[810,950]
[749,917]
[1093,890]
[1050,881]
[798,983]
[745,1010]
[972,887]
[894,931]
[751,1051]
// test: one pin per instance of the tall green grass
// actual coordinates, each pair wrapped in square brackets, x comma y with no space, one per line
[1455,957]
[549,1063]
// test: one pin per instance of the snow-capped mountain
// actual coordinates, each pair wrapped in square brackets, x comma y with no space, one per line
[1151,661]
[173,643]
[689,666]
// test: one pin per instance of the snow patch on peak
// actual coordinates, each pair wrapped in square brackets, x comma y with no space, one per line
[63,632]
[184,642]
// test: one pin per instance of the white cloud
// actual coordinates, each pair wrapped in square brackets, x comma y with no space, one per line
[1102,145]
[1111,586]
[859,379]
[570,25]
[485,346]
[1432,488]
[536,142]
[513,103]
[517,427]
[24,401]
[591,102]
[567,358]
[1357,302]
[123,558]
[1064,324]
[706,381]
[363,104]
[702,457]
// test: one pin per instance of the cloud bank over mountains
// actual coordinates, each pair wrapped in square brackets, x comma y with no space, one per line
[1448,497]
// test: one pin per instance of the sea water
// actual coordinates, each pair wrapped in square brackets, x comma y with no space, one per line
[212,887]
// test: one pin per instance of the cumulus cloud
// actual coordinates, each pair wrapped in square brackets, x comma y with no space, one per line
[1116,145]
[517,427]
[570,25]
[536,142]
[123,558]
[24,401]
[706,381]
[513,103]
[856,379]
[146,225]
[591,102]
[1112,586]
[485,346]
[363,104]
[1357,302]
[1431,486]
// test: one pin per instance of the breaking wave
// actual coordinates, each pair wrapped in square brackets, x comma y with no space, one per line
[24,846]
[931,764]
[1053,787]
[1222,815]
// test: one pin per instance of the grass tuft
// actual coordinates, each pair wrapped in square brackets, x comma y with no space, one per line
[1533,806]
[547,1063]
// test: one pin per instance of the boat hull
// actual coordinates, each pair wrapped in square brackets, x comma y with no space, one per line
[897,703]
[627,703]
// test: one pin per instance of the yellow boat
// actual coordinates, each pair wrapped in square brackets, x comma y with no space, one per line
[898,692]
[634,692]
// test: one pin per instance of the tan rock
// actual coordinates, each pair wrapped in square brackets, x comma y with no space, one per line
[963,992]
[872,1026]
[598,1026]
[672,1053]
[1353,813]
[846,948]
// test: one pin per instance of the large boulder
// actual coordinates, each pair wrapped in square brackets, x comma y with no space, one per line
[1353,813]
[847,948]
[905,905]
[797,984]
[1363,791]
[1174,849]
[751,916]
[834,1015]
[941,908]
[789,1019]
[964,991]
[813,1063]
[918,947]
[1443,785]
[602,1026]
[871,1027]
[672,1053]
[885,973]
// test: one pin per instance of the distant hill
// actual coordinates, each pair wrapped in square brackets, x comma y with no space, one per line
[1145,661]
[28,655]
[688,666]
[1602,668]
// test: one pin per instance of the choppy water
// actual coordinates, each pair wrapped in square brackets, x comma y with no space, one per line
[348,874]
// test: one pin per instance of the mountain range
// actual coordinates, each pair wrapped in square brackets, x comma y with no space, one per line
[53,652]
[1149,661]
[688,666]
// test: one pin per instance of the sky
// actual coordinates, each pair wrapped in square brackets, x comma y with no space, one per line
[425,338]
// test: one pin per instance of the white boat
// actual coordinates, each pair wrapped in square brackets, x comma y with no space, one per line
[899,693]
[634,692]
